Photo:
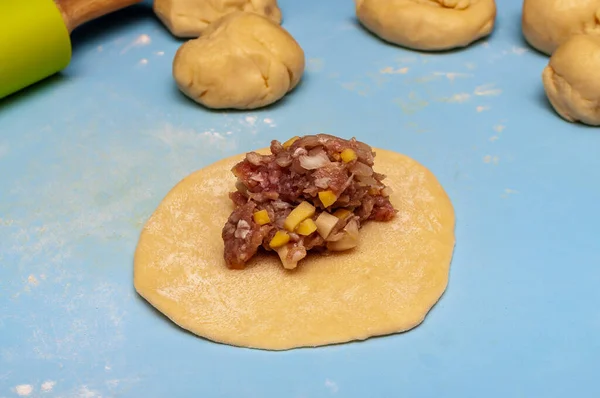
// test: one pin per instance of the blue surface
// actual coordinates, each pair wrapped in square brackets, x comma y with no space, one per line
[86,156]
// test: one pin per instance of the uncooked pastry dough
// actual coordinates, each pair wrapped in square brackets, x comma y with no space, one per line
[189,18]
[428,24]
[572,79]
[548,23]
[386,285]
[242,61]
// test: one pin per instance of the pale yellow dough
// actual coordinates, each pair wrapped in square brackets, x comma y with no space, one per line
[572,79]
[547,24]
[190,18]
[428,24]
[242,61]
[386,285]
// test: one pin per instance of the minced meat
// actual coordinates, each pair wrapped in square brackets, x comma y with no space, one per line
[317,174]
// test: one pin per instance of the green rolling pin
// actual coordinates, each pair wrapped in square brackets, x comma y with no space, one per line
[35,40]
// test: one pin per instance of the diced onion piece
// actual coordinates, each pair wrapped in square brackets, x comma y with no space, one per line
[348,155]
[327,198]
[348,241]
[325,224]
[254,158]
[281,238]
[284,159]
[283,253]
[289,142]
[387,191]
[261,217]
[352,228]
[322,182]
[342,214]
[306,227]
[335,237]
[314,162]
[366,181]
[302,212]
[290,263]
[361,169]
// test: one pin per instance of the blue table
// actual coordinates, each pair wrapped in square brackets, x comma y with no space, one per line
[86,156]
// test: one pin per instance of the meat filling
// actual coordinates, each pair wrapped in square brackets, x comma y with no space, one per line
[310,194]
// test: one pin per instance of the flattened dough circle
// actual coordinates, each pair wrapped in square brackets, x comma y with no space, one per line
[430,25]
[387,285]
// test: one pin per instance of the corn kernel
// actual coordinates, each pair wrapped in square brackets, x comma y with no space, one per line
[261,217]
[327,198]
[289,142]
[279,239]
[348,155]
[302,212]
[374,191]
[342,214]
[306,227]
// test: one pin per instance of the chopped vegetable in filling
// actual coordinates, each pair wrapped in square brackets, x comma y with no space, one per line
[311,193]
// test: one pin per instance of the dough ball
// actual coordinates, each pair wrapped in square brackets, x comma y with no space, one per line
[428,24]
[572,79]
[190,18]
[242,61]
[548,23]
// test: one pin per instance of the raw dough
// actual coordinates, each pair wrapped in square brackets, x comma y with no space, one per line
[572,79]
[387,285]
[242,61]
[548,23]
[189,18]
[428,24]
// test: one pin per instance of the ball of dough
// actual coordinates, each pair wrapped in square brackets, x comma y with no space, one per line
[572,79]
[428,24]
[190,18]
[243,61]
[548,23]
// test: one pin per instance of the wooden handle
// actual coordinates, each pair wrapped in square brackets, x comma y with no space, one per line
[77,12]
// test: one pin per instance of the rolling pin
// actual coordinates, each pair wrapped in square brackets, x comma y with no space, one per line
[35,40]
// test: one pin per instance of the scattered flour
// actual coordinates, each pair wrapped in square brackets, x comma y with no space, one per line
[141,40]
[391,71]
[332,386]
[85,392]
[24,390]
[491,159]
[315,65]
[458,98]
[487,90]
[508,192]
[519,50]
[452,75]
[48,385]
[32,280]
